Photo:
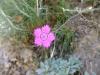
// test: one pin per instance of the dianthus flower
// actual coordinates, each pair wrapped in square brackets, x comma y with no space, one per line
[43,36]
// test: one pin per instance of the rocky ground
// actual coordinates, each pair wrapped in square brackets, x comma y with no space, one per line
[16,59]
[87,40]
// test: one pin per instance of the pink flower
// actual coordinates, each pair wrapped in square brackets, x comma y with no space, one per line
[43,36]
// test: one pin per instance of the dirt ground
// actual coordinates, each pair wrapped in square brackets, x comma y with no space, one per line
[87,28]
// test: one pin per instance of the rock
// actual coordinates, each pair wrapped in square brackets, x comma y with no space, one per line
[87,42]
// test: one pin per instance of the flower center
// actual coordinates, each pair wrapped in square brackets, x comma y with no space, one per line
[43,36]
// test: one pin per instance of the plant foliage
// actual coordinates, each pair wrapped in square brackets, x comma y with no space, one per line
[65,38]
[59,66]
[17,18]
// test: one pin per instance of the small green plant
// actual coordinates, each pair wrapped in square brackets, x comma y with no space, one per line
[18,18]
[59,66]
[64,41]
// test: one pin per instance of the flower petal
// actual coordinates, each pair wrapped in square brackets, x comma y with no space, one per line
[46,29]
[46,44]
[51,37]
[38,41]
[37,32]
